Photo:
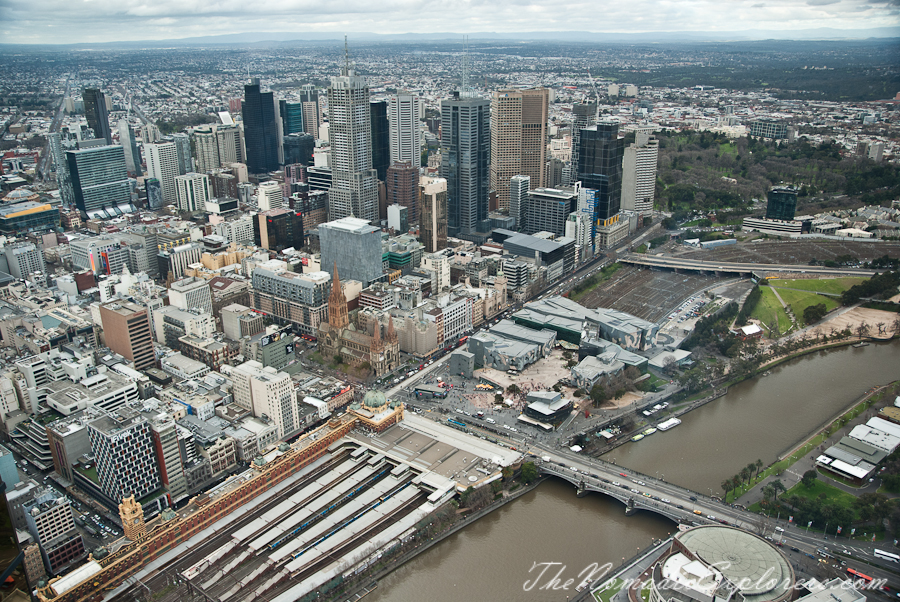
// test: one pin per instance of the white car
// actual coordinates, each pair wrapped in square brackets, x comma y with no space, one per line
[506,426]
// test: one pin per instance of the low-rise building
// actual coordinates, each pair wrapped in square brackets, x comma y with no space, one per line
[508,345]
[183,367]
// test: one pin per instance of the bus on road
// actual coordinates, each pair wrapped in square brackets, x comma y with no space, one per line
[854,574]
[429,392]
[457,424]
[887,556]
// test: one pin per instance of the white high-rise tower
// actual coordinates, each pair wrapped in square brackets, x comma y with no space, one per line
[354,184]
[639,173]
[404,114]
[518,190]
[162,164]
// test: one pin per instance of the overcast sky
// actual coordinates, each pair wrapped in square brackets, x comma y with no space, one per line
[65,21]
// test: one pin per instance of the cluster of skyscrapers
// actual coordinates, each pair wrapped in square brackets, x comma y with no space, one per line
[368,155]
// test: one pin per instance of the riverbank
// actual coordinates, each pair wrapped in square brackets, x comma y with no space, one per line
[368,581]
[698,400]
[811,444]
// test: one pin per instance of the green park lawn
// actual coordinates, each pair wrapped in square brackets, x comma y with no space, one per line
[770,312]
[800,300]
[728,148]
[821,285]
[604,595]
[832,493]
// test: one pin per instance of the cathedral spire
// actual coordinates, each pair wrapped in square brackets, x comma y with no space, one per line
[391,333]
[337,303]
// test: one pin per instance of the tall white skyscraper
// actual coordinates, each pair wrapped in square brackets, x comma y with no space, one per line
[639,173]
[518,190]
[354,184]
[162,164]
[270,196]
[231,144]
[404,114]
[193,191]
[150,133]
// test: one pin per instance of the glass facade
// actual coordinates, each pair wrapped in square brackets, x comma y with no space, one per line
[465,161]
[782,204]
[260,129]
[381,138]
[99,177]
[96,114]
[354,246]
[278,229]
[154,193]
[599,161]
[298,148]
[291,116]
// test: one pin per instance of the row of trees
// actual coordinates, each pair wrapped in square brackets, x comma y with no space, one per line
[882,285]
[744,476]
[814,313]
[749,306]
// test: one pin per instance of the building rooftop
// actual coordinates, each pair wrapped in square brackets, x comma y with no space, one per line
[758,570]
[123,308]
[533,242]
[182,363]
[113,422]
[350,224]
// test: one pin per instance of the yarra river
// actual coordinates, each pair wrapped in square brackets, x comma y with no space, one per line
[759,418]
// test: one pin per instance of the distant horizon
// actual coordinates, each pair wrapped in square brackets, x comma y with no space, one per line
[59,22]
[748,35]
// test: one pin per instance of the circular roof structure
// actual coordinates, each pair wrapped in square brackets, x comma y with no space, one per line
[21,194]
[758,569]
[374,399]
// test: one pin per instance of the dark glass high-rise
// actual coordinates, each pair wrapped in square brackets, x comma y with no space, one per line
[466,161]
[96,114]
[260,129]
[381,138]
[599,166]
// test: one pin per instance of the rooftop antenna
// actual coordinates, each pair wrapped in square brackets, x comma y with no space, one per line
[464,92]
[346,57]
